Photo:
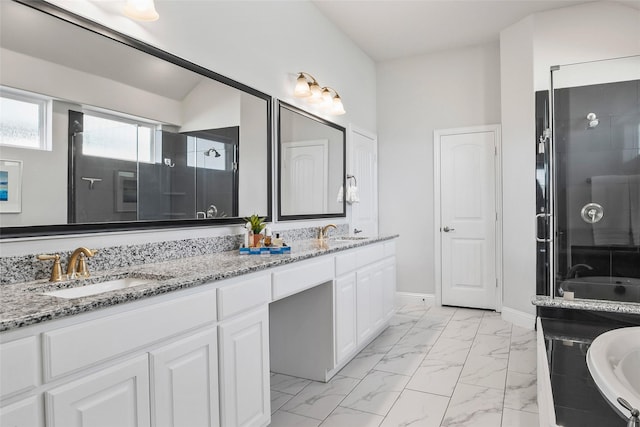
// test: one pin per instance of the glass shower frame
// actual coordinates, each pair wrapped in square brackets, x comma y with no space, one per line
[559,256]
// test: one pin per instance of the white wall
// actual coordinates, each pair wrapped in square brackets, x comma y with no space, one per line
[210,105]
[262,44]
[253,151]
[518,167]
[588,32]
[57,81]
[416,96]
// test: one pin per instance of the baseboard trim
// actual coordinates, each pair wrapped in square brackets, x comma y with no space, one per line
[404,298]
[519,318]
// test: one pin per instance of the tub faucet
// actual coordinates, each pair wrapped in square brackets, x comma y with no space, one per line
[573,271]
[77,266]
[634,420]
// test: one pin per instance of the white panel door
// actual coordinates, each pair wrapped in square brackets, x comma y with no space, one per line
[116,396]
[185,381]
[345,310]
[305,169]
[244,370]
[468,219]
[363,162]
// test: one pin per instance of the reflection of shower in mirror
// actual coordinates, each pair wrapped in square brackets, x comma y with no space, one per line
[593,120]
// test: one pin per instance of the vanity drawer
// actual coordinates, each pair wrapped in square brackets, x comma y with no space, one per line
[370,254]
[75,347]
[19,366]
[346,262]
[307,275]
[244,295]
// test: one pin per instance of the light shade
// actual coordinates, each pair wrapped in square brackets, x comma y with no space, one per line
[316,93]
[141,10]
[337,108]
[302,87]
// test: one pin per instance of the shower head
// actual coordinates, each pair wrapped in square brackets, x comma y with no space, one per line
[593,120]
[212,151]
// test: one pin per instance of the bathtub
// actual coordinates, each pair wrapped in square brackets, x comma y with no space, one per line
[604,288]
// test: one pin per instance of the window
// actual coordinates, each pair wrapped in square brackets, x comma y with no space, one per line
[116,138]
[22,120]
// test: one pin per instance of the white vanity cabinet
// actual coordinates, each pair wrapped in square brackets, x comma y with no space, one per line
[150,362]
[364,296]
[24,413]
[345,316]
[201,356]
[116,396]
[244,370]
[184,375]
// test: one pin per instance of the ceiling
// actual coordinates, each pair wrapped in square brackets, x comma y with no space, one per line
[390,29]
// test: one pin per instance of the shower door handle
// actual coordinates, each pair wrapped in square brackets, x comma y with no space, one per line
[538,238]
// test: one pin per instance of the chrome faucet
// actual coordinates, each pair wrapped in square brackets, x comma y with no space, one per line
[634,420]
[77,266]
[323,232]
[573,271]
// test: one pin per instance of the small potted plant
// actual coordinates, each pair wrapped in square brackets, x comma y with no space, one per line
[255,224]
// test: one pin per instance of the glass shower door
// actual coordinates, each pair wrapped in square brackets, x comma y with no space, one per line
[595,180]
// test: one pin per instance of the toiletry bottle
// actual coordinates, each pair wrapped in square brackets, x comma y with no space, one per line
[247,235]
[267,236]
[277,242]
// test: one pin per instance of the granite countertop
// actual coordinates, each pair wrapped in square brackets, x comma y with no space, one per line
[24,304]
[586,304]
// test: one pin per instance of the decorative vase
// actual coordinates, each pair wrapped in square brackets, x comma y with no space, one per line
[256,238]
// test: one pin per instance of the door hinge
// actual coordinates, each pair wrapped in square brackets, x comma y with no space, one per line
[496,282]
[495,150]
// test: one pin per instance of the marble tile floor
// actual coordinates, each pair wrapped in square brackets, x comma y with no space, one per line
[432,367]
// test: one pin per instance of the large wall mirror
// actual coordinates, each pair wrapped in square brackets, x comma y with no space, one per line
[311,165]
[102,132]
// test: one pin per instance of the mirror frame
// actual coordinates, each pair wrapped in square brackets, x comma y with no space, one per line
[66,229]
[297,110]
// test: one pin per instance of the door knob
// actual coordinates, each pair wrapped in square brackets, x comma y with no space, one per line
[447,229]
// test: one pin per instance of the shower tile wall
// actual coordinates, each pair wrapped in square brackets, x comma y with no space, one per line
[610,148]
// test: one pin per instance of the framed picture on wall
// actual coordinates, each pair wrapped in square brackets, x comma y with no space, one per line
[10,186]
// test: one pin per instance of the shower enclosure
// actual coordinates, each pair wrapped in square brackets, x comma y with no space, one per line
[588,181]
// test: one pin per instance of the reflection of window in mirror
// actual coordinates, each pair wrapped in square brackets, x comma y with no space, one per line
[116,138]
[23,119]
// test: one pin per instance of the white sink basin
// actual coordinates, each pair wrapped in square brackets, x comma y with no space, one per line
[614,363]
[98,288]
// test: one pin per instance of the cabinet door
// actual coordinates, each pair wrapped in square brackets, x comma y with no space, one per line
[363,304]
[26,413]
[116,396]
[377,296]
[389,287]
[345,325]
[185,382]
[244,370]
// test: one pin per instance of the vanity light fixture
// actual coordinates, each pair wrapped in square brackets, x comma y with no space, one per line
[307,87]
[141,10]
[332,101]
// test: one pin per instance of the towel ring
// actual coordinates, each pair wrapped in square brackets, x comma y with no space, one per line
[354,179]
